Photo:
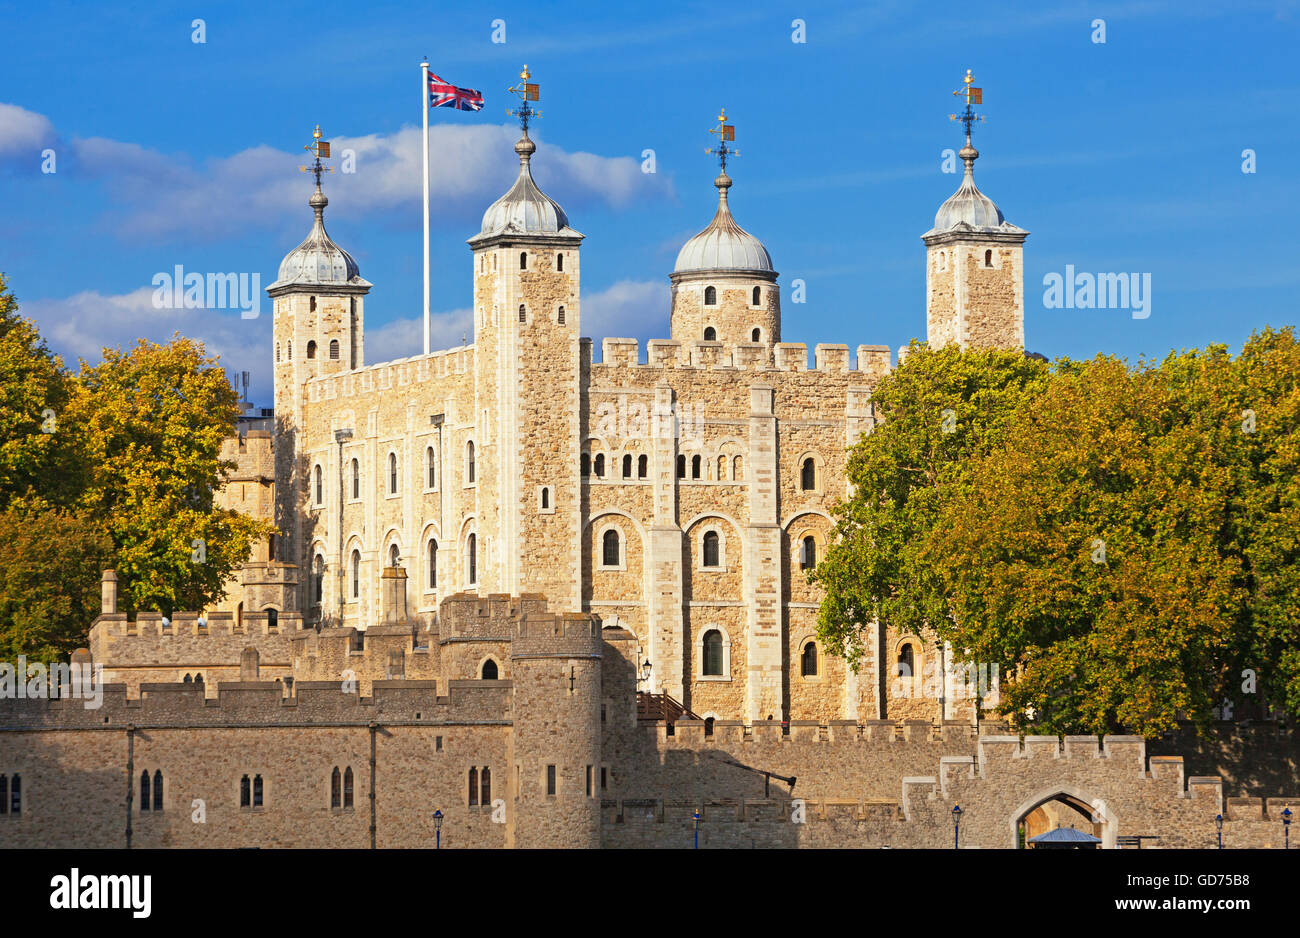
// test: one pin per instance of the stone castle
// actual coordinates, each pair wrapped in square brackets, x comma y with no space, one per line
[563,601]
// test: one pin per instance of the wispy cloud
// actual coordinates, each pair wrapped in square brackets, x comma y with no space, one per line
[23,134]
[82,325]
[156,195]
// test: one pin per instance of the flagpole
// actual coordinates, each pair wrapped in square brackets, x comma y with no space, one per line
[424,109]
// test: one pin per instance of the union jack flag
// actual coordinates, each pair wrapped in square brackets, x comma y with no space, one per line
[442,94]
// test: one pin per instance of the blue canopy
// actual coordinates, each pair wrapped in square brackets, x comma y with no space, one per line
[1065,835]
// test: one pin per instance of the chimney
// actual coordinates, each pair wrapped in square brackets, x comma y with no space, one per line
[248,664]
[108,593]
[393,601]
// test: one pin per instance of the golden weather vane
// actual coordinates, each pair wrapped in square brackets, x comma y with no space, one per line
[724,132]
[526,92]
[320,149]
[972,95]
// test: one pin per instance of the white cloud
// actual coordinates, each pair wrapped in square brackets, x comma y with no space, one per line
[82,325]
[469,167]
[634,309]
[23,133]
[402,338]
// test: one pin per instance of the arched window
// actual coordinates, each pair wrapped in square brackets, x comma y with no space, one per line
[988,258]
[710,334]
[471,551]
[157,790]
[356,574]
[737,469]
[906,661]
[586,464]
[756,335]
[627,465]
[270,547]
[523,313]
[712,551]
[433,563]
[546,498]
[642,466]
[432,465]
[710,296]
[808,555]
[523,260]
[198,679]
[469,463]
[808,475]
[277,351]
[560,317]
[311,349]
[239,617]
[272,623]
[758,297]
[392,473]
[257,791]
[320,487]
[245,792]
[610,549]
[485,789]
[473,786]
[489,670]
[808,660]
[696,463]
[708,726]
[356,479]
[289,349]
[189,679]
[336,788]
[559,263]
[713,653]
[318,578]
[722,468]
[144,791]
[334,350]
[347,787]
[600,465]
[394,556]
[681,467]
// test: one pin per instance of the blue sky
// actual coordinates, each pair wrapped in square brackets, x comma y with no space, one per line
[1117,157]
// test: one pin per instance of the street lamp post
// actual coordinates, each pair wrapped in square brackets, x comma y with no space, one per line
[1286,828]
[697,830]
[437,830]
[956,826]
[1218,822]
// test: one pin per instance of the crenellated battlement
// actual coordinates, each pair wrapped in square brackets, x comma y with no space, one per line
[468,615]
[557,635]
[622,353]
[266,703]
[392,375]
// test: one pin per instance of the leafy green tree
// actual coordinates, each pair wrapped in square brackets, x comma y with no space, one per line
[49,579]
[940,408]
[153,420]
[37,447]
[1086,557]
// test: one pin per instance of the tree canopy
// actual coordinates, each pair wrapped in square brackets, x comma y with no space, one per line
[1123,543]
[114,465]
